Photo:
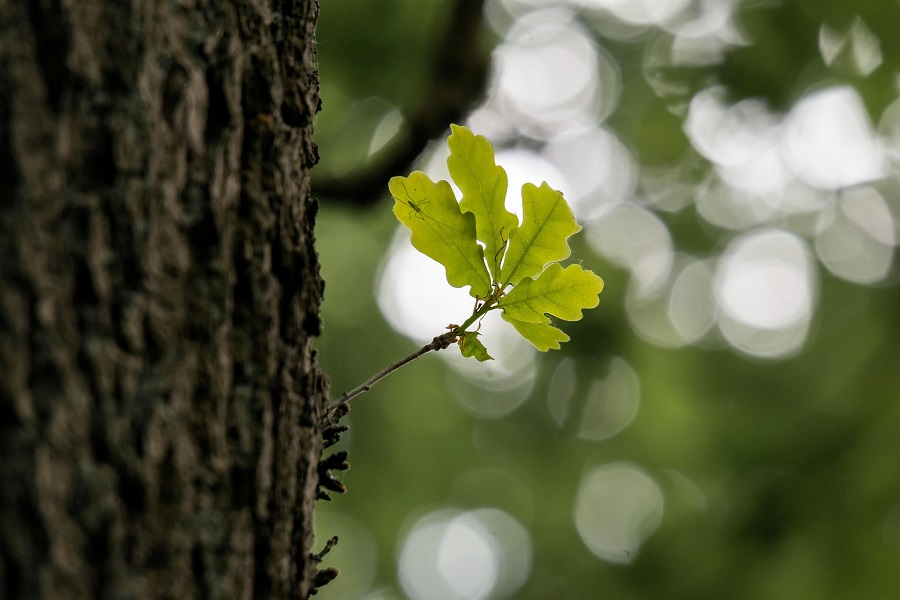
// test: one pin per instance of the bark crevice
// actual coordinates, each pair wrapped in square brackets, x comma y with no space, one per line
[160,402]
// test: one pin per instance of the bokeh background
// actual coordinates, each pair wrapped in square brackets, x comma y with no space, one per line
[726,424]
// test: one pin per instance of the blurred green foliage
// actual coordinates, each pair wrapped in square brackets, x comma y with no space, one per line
[781,476]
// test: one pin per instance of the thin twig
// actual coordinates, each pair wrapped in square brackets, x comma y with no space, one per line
[438,343]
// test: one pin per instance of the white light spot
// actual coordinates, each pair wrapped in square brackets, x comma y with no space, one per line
[669,189]
[685,491]
[525,166]
[413,293]
[550,75]
[464,556]
[561,389]
[889,130]
[857,243]
[648,317]
[744,143]
[692,306]
[639,12]
[513,544]
[636,239]
[765,286]
[676,310]
[766,294]
[600,170]
[732,208]
[387,128]
[856,50]
[829,141]
[612,403]
[866,209]
[617,509]
[764,280]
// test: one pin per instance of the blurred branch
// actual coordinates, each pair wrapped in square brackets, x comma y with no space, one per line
[456,81]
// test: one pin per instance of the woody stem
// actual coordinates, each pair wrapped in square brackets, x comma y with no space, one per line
[438,343]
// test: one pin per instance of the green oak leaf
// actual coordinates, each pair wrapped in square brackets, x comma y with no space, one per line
[440,230]
[560,292]
[542,237]
[522,276]
[542,336]
[470,345]
[483,185]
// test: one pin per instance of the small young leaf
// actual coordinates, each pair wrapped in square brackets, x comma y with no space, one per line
[542,336]
[541,238]
[483,185]
[440,230]
[470,345]
[559,292]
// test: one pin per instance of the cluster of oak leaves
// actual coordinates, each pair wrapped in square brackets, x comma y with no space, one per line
[508,266]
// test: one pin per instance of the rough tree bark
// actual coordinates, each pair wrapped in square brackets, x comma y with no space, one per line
[159,293]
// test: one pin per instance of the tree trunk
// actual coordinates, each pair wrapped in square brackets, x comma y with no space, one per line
[160,400]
